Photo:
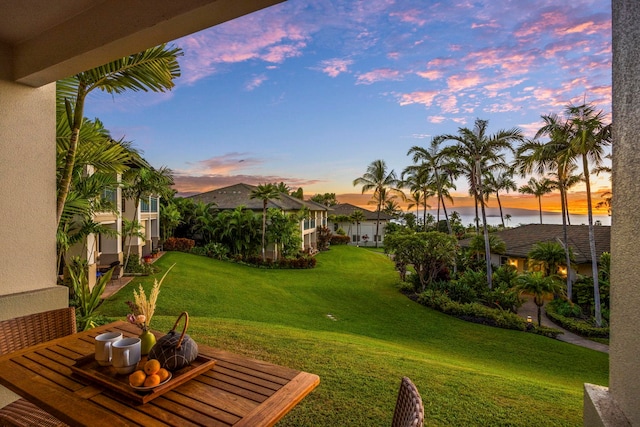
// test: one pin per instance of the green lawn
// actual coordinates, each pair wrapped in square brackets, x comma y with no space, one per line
[467,374]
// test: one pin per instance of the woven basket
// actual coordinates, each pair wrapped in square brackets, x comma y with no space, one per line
[175,351]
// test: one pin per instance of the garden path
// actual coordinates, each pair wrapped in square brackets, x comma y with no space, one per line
[530,309]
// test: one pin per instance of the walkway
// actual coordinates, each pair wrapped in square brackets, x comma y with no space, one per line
[530,309]
[115,285]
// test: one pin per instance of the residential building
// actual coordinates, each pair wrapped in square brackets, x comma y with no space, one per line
[519,241]
[229,198]
[44,41]
[364,232]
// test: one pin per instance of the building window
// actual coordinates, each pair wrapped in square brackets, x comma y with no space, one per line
[377,238]
[503,260]
[335,227]
[355,238]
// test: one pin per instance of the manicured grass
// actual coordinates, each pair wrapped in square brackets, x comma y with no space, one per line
[468,374]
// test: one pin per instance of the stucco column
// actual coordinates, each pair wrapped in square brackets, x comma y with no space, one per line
[622,399]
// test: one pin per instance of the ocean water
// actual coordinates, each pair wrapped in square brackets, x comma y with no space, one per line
[521,217]
[547,218]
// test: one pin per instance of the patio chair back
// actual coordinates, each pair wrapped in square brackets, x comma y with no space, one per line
[25,331]
[409,410]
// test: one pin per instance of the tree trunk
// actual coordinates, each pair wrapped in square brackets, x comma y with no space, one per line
[264,228]
[539,315]
[592,245]
[500,207]
[565,238]
[540,207]
[70,158]
[487,247]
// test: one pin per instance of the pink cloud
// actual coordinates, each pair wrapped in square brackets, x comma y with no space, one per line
[335,67]
[424,97]
[378,75]
[431,75]
[256,82]
[221,165]
[242,40]
[462,82]
[448,104]
[411,16]
[436,119]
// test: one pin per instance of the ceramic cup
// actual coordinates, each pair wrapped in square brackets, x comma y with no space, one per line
[103,347]
[125,355]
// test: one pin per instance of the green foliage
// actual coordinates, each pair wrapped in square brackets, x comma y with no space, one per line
[476,280]
[430,254]
[341,232]
[136,267]
[337,239]
[505,275]
[472,312]
[575,325]
[178,244]
[324,237]
[550,254]
[86,300]
[496,245]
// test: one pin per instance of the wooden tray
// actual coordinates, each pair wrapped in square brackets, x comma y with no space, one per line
[107,376]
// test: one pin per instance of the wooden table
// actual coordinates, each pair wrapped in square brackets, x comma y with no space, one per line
[238,391]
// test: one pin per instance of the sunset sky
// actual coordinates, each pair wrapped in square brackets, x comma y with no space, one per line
[309,92]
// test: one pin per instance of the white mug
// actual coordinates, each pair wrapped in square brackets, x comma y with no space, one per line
[103,347]
[125,355]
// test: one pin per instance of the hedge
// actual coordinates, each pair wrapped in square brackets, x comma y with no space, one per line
[576,326]
[478,313]
[337,239]
[178,244]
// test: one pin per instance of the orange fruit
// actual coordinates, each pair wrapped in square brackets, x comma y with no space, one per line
[137,378]
[151,367]
[163,374]
[152,380]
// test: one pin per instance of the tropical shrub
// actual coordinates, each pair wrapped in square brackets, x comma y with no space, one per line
[472,312]
[430,254]
[324,237]
[216,250]
[337,239]
[178,244]
[86,300]
[574,324]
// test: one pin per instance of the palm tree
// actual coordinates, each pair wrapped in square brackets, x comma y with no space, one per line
[265,192]
[98,161]
[142,182]
[589,136]
[508,218]
[550,254]
[357,216]
[538,188]
[570,179]
[538,285]
[432,160]
[416,179]
[478,152]
[555,156]
[501,181]
[151,70]
[382,183]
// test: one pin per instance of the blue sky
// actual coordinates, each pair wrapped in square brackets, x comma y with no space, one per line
[309,92]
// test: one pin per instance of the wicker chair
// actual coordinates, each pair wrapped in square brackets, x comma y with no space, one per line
[23,332]
[409,411]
